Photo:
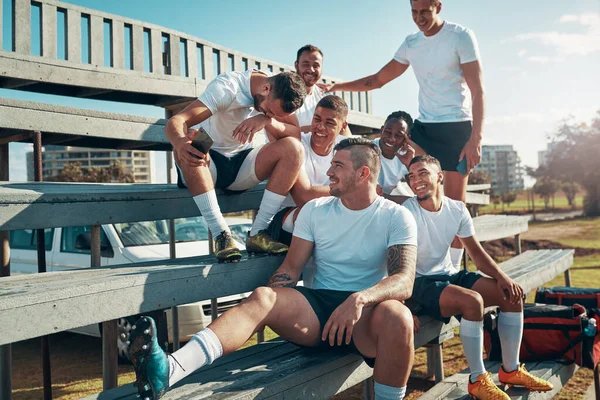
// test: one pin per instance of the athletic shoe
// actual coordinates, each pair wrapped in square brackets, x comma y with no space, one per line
[151,363]
[484,388]
[262,243]
[521,377]
[225,248]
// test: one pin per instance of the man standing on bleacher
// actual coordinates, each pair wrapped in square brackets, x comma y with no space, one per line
[364,248]
[443,291]
[223,110]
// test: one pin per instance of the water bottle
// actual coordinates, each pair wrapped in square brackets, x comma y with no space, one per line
[591,328]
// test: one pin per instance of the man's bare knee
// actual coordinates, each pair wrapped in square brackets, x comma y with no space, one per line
[264,297]
[392,320]
[471,305]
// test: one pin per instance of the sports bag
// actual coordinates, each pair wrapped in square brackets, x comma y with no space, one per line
[589,298]
[550,332]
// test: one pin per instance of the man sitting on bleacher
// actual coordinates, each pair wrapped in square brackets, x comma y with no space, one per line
[364,247]
[443,291]
[233,163]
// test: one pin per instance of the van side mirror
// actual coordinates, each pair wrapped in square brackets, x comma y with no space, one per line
[83,241]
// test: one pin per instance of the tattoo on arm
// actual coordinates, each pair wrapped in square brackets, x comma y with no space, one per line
[402,261]
[369,82]
[281,280]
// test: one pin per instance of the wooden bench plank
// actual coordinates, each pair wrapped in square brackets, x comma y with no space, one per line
[44,205]
[491,227]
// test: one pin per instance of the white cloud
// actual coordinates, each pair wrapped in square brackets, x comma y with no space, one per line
[522,53]
[539,59]
[568,44]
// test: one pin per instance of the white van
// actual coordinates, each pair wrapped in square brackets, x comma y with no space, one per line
[69,248]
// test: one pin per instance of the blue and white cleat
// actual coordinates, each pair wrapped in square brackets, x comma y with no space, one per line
[151,363]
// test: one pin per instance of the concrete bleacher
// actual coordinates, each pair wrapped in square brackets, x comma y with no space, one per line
[63,300]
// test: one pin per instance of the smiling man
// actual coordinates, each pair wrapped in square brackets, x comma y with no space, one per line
[233,163]
[442,290]
[446,62]
[364,248]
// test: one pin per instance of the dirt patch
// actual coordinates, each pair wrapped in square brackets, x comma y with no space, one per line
[502,249]
[555,231]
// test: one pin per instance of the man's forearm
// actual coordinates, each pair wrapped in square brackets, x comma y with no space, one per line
[360,85]
[175,129]
[396,287]
[283,278]
[278,129]
[486,264]
[478,101]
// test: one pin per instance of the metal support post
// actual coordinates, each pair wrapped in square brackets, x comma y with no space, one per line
[6,350]
[110,358]
[369,389]
[41,258]
[518,249]
[172,256]
[568,278]
[435,362]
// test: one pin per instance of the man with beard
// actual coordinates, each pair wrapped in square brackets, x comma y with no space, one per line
[442,290]
[446,62]
[233,164]
[365,256]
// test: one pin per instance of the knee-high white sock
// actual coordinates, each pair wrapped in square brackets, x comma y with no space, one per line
[269,205]
[209,208]
[385,392]
[204,348]
[471,336]
[510,331]
[456,256]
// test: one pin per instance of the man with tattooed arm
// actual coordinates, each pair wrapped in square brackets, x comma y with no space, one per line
[364,248]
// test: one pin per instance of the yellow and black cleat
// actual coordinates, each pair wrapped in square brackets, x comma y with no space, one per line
[261,243]
[225,248]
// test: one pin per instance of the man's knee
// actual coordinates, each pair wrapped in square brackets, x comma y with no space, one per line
[291,149]
[471,305]
[392,320]
[264,297]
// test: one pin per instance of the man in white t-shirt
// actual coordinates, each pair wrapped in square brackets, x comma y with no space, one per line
[233,164]
[442,291]
[328,121]
[396,154]
[364,247]
[446,62]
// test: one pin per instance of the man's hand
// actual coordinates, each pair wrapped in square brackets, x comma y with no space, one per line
[510,289]
[246,130]
[186,154]
[409,153]
[343,319]
[326,87]
[472,151]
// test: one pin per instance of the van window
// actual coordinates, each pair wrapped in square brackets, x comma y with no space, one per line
[67,241]
[26,239]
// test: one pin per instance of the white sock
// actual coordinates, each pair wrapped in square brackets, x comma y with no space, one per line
[204,348]
[269,206]
[385,392]
[456,256]
[471,336]
[510,330]
[209,208]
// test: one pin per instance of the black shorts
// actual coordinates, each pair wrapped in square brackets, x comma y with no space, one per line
[428,289]
[323,303]
[275,228]
[442,140]
[227,170]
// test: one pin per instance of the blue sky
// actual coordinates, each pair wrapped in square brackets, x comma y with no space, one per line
[540,59]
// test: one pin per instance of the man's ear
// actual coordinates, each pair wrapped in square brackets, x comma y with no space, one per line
[440,177]
[296,65]
[364,173]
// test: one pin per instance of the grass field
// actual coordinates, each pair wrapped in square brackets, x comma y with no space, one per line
[521,204]
[77,360]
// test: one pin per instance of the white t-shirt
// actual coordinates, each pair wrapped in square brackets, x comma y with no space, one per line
[229,99]
[306,112]
[316,166]
[391,173]
[351,245]
[443,92]
[436,233]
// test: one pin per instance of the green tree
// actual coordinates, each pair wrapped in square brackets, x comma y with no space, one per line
[546,188]
[479,177]
[575,159]
[508,198]
[570,190]
[73,172]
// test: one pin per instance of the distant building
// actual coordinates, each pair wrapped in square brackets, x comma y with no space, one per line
[54,158]
[544,154]
[504,166]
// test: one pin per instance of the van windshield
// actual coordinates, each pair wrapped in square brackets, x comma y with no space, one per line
[147,233]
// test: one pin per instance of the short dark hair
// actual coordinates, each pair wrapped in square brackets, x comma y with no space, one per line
[335,103]
[363,152]
[400,115]
[427,159]
[431,2]
[308,47]
[290,89]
